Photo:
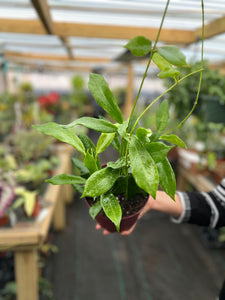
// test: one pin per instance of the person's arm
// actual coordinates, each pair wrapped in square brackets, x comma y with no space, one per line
[162,203]
[199,208]
[204,209]
[165,204]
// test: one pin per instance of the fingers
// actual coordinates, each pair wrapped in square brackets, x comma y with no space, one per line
[98,226]
[105,232]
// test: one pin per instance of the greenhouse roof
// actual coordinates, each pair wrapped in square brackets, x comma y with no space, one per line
[89,33]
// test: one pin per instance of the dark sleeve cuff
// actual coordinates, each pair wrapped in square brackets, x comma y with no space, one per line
[185,216]
[198,209]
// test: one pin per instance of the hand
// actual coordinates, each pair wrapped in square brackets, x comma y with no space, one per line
[105,232]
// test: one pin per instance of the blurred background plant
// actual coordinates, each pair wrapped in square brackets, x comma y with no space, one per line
[120,95]
[183,95]
[204,131]
[7,114]
[79,97]
[28,145]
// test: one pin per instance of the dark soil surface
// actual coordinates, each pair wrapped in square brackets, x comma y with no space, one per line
[129,207]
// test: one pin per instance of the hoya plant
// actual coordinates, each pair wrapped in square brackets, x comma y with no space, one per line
[142,163]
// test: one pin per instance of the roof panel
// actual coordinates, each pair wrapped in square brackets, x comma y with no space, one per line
[182,14]
[18,13]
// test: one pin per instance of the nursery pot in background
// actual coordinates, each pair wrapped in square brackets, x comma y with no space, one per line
[4,221]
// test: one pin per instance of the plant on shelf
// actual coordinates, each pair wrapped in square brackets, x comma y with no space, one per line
[204,137]
[32,175]
[29,145]
[119,189]
[7,114]
[16,201]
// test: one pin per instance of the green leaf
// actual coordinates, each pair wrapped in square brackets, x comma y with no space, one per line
[66,179]
[126,185]
[160,62]
[79,188]
[166,68]
[173,139]
[154,137]
[29,201]
[122,130]
[90,147]
[162,115]
[158,150]
[112,209]
[65,135]
[143,134]
[143,167]
[116,142]
[87,142]
[133,188]
[17,203]
[120,185]
[95,209]
[120,163]
[104,97]
[139,46]
[173,55]
[100,182]
[80,165]
[104,141]
[93,123]
[131,125]
[90,162]
[167,178]
[169,72]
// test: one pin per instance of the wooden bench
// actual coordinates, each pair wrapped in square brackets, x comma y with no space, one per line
[25,238]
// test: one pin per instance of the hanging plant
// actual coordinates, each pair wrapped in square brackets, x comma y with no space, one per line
[112,190]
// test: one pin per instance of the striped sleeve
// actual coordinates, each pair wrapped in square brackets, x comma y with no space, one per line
[204,209]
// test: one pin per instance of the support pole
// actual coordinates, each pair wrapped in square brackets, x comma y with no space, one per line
[26,274]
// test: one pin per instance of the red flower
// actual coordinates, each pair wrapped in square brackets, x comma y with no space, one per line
[53,98]
[48,100]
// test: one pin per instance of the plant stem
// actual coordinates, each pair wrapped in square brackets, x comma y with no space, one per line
[177,82]
[200,77]
[144,76]
[149,61]
[160,96]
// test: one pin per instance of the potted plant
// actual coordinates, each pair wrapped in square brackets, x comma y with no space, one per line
[119,189]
